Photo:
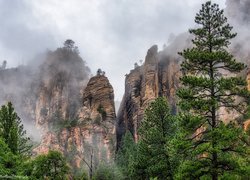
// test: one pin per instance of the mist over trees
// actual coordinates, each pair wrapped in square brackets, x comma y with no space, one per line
[198,144]
[4,64]
[15,152]
[61,68]
[194,143]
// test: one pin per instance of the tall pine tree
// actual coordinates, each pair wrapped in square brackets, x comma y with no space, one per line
[154,154]
[214,148]
[126,155]
[12,131]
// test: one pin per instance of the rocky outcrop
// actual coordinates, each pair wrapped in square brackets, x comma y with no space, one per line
[61,78]
[158,76]
[99,96]
[92,134]
[74,113]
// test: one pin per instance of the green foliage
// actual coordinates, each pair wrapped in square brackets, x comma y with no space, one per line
[14,145]
[154,154]
[81,175]
[9,162]
[102,111]
[211,148]
[126,155]
[246,116]
[12,132]
[70,46]
[107,172]
[50,166]
[26,168]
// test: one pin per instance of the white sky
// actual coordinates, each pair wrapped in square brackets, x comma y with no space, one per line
[111,34]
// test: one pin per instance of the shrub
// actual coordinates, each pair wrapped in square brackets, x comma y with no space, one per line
[102,111]
[107,172]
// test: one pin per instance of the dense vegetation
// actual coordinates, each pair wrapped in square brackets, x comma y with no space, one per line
[15,152]
[215,148]
[194,144]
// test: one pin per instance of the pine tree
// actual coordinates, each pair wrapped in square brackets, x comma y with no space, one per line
[11,130]
[9,163]
[214,148]
[154,156]
[126,154]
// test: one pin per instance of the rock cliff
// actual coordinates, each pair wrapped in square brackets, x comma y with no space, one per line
[74,113]
[158,76]
[61,78]
[92,133]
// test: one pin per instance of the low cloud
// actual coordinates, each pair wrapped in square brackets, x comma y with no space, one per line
[111,34]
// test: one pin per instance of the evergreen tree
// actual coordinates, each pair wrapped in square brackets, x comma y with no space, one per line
[50,166]
[154,154]
[9,163]
[11,130]
[107,172]
[213,148]
[70,46]
[126,155]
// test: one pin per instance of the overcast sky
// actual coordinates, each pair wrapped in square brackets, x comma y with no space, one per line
[111,34]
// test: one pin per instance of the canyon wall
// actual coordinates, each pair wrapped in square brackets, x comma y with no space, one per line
[89,135]
[158,76]
[64,108]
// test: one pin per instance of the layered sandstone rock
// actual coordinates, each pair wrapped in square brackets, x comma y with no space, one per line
[97,95]
[92,133]
[158,76]
[61,78]
[74,113]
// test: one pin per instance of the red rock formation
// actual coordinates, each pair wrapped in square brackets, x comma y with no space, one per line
[56,98]
[158,76]
[94,129]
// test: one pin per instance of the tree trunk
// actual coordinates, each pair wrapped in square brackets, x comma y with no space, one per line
[213,123]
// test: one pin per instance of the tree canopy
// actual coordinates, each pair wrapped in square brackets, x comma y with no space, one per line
[12,131]
[52,165]
[154,157]
[9,162]
[214,148]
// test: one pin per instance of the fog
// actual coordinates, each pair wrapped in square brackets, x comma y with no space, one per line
[110,35]
[33,88]
[238,12]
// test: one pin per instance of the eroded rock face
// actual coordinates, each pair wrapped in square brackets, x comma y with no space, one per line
[93,133]
[61,78]
[99,95]
[158,76]
[74,113]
